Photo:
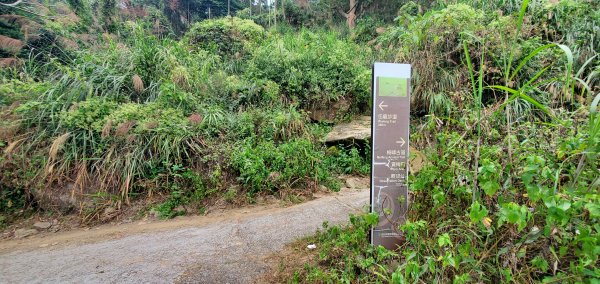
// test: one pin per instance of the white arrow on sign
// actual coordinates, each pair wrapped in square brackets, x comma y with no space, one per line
[401,142]
[381,105]
[383,163]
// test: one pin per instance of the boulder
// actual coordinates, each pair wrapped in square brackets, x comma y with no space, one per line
[57,198]
[357,129]
[357,182]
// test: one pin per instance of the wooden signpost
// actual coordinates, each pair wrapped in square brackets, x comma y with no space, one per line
[390,157]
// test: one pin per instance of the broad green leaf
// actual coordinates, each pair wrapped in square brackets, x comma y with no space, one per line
[490,187]
[444,240]
[477,212]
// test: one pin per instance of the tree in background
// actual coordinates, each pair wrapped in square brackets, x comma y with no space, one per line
[351,14]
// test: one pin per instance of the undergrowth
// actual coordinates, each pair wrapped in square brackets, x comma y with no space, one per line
[541,227]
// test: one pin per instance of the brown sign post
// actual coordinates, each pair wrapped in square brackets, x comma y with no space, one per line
[390,157]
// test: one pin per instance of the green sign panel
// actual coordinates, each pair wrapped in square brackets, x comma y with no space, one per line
[393,87]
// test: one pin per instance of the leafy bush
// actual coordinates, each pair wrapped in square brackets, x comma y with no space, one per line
[534,220]
[188,187]
[366,29]
[313,69]
[88,114]
[266,166]
[225,36]
[348,161]
[574,23]
[11,200]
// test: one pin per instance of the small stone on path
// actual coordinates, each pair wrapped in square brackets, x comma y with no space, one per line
[357,183]
[42,225]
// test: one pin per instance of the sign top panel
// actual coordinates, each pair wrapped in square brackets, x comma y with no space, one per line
[391,70]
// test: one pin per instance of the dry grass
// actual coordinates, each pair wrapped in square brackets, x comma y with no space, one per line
[10,45]
[10,62]
[123,128]
[12,146]
[106,129]
[68,43]
[284,264]
[195,119]
[27,25]
[138,84]
[57,144]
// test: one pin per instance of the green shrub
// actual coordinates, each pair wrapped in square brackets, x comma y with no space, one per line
[348,161]
[88,114]
[245,93]
[366,29]
[266,166]
[314,69]
[548,214]
[225,36]
[571,22]
[278,125]
[11,199]
[187,189]
[20,91]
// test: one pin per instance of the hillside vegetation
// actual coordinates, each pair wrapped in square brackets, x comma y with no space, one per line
[105,104]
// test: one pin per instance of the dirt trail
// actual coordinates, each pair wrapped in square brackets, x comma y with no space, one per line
[226,248]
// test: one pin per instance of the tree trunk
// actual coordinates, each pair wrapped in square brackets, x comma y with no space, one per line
[351,14]
[283,9]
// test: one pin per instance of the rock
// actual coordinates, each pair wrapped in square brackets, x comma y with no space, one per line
[109,210]
[59,199]
[23,233]
[417,161]
[109,213]
[358,129]
[42,225]
[329,112]
[357,183]
[350,183]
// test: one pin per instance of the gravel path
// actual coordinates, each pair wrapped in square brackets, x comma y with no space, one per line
[221,250]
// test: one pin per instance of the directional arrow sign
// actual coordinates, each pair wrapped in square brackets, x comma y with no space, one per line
[387,164]
[401,142]
[389,191]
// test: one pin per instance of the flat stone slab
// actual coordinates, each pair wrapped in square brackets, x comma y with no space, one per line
[360,129]
[357,129]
